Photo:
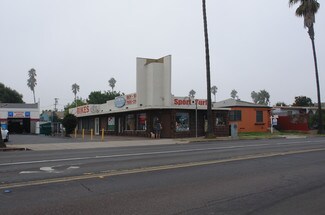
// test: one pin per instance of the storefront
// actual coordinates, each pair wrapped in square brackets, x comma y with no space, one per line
[19,118]
[136,114]
[176,122]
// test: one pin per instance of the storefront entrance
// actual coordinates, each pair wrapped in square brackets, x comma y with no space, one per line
[96,126]
[19,125]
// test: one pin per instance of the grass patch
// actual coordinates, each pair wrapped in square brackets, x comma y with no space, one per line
[251,135]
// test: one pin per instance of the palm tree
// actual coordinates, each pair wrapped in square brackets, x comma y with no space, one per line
[75,89]
[307,9]
[207,62]
[214,90]
[112,83]
[31,81]
[192,93]
[233,94]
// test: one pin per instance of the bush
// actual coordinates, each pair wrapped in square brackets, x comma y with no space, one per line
[69,122]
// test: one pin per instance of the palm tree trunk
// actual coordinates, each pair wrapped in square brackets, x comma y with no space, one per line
[207,60]
[320,117]
[34,96]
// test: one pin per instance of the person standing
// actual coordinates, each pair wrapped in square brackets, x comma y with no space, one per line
[158,128]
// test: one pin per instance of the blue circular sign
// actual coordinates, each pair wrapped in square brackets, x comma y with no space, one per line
[119,102]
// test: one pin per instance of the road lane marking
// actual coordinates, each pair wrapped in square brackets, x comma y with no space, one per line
[129,155]
[49,169]
[152,169]
[152,153]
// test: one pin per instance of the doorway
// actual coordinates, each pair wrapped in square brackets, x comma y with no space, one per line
[96,126]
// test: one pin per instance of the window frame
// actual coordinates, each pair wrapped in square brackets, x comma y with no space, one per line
[259,116]
[182,126]
[235,115]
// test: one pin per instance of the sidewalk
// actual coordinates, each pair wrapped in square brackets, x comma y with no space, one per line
[44,143]
[89,145]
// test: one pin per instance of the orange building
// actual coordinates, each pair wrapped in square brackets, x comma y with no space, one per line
[248,116]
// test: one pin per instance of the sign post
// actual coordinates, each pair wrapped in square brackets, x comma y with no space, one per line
[274,121]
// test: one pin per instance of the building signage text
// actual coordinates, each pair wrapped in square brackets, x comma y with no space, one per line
[201,102]
[131,99]
[18,114]
[83,109]
[87,109]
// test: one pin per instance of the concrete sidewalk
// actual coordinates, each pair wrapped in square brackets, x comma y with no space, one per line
[89,145]
[44,143]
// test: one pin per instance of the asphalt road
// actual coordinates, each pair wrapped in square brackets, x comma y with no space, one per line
[232,177]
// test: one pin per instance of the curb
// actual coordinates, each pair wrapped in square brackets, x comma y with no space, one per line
[14,149]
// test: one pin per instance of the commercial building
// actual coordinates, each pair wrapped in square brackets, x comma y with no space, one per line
[136,114]
[20,118]
[247,116]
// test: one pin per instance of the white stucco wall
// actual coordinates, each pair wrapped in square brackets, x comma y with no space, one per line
[154,81]
[21,111]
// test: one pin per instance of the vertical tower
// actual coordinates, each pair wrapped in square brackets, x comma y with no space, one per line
[154,81]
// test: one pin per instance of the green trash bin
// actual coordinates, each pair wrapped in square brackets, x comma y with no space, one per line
[46,128]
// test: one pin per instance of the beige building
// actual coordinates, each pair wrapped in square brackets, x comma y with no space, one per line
[137,113]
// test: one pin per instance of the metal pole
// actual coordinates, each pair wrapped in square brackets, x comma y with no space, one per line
[196,118]
[102,134]
[271,124]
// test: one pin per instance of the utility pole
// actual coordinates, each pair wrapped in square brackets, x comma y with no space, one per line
[210,133]
[56,100]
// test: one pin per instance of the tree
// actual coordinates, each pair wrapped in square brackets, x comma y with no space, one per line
[303,101]
[75,90]
[7,95]
[76,103]
[307,9]
[97,97]
[31,81]
[280,104]
[112,83]
[207,63]
[233,94]
[214,90]
[69,122]
[192,93]
[262,97]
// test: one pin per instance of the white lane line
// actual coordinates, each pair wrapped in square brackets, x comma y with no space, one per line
[49,169]
[153,153]
[128,155]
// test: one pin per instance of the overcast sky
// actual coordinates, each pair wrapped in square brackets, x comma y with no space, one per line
[254,45]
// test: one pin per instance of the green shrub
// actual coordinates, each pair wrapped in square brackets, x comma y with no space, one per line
[69,122]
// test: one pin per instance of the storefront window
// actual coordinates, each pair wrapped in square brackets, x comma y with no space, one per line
[182,122]
[220,120]
[111,123]
[130,122]
[142,122]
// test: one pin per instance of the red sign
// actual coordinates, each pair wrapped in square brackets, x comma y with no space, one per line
[200,102]
[83,109]
[131,99]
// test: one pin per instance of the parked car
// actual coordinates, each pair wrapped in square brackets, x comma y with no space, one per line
[5,134]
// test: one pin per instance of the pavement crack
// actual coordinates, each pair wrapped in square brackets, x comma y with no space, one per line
[87,188]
